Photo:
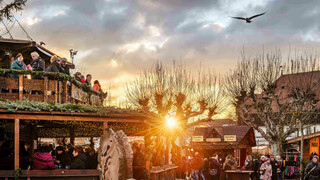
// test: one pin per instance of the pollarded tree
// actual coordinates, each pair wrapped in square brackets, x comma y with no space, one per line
[267,91]
[175,92]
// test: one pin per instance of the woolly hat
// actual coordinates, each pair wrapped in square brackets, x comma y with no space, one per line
[316,157]
[271,156]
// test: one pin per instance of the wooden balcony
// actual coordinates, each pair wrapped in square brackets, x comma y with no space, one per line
[47,89]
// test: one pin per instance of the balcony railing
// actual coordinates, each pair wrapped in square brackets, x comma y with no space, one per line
[49,87]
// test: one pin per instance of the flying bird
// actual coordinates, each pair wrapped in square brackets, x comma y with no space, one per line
[248,20]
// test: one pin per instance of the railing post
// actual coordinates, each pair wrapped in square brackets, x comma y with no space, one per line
[16,143]
[45,89]
[56,91]
[65,91]
[60,91]
[20,87]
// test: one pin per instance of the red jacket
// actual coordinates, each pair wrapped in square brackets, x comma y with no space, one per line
[43,161]
[197,163]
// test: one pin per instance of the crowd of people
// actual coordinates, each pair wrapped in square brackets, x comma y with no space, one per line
[268,167]
[69,157]
[58,65]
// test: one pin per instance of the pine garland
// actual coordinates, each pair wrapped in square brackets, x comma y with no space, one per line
[52,75]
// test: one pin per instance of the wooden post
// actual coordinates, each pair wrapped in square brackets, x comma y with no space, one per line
[105,126]
[20,87]
[60,92]
[16,143]
[33,136]
[65,91]
[56,92]
[45,89]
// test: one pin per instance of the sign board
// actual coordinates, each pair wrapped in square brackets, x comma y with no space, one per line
[230,137]
[213,140]
[197,138]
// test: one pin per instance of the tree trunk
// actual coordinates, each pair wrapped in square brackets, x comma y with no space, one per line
[276,147]
[301,147]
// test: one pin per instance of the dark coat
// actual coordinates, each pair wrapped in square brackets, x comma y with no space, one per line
[248,165]
[314,174]
[256,166]
[17,66]
[92,161]
[79,162]
[275,167]
[215,164]
[54,67]
[37,65]
[65,69]
[64,159]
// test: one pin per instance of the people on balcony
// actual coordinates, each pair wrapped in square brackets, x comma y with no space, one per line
[97,86]
[43,159]
[64,67]
[55,64]
[77,76]
[80,159]
[17,64]
[37,63]
[88,80]
[82,79]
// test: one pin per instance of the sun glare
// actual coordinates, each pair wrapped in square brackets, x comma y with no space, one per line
[171,122]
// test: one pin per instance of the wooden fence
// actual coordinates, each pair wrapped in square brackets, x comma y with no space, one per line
[44,90]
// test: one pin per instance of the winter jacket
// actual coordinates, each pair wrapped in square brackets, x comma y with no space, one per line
[92,161]
[267,168]
[89,83]
[79,162]
[248,165]
[314,174]
[230,164]
[197,163]
[64,159]
[214,164]
[43,161]
[54,67]
[18,65]
[65,69]
[37,65]
[275,167]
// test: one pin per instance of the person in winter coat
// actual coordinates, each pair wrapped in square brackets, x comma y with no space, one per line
[37,64]
[64,67]
[196,165]
[17,64]
[312,170]
[214,164]
[275,166]
[230,163]
[80,159]
[62,157]
[96,86]
[55,64]
[280,167]
[138,162]
[248,163]
[43,159]
[88,80]
[92,159]
[266,169]
[255,168]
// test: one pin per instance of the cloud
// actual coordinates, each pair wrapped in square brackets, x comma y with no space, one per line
[116,37]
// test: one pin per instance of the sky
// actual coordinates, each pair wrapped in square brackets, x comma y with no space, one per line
[116,39]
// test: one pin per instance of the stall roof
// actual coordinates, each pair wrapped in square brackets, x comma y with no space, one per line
[240,131]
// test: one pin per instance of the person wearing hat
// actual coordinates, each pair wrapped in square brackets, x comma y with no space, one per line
[266,170]
[64,67]
[312,170]
[255,167]
[275,166]
[62,158]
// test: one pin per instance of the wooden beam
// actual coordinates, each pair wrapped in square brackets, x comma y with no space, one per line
[56,92]
[20,87]
[67,118]
[60,91]
[16,143]
[65,92]
[105,126]
[45,89]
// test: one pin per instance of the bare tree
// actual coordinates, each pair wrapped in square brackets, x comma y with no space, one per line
[266,91]
[174,91]
[7,9]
